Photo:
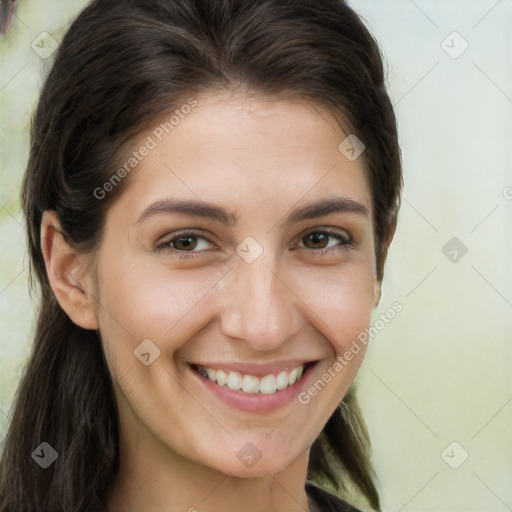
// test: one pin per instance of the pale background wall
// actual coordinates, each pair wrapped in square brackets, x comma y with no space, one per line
[441,371]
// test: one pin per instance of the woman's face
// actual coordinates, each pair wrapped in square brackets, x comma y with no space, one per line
[242,251]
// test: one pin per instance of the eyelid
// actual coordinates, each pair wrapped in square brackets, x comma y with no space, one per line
[165,242]
[335,232]
[341,235]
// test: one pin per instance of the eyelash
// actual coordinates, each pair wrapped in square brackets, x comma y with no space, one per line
[165,245]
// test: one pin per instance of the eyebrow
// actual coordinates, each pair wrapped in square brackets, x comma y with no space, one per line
[198,208]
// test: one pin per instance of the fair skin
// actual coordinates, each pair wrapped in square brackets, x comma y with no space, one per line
[180,440]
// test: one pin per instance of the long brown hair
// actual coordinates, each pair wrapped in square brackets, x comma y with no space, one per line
[121,65]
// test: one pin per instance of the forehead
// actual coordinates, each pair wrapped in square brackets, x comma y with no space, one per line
[241,150]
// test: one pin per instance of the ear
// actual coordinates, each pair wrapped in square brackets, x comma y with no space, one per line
[68,273]
[377,284]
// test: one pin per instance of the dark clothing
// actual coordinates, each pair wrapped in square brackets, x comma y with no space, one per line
[326,502]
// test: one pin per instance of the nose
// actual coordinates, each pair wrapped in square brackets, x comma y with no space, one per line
[258,305]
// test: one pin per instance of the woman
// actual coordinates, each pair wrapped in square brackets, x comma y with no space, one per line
[211,192]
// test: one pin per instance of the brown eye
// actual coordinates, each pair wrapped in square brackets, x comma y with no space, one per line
[325,241]
[318,240]
[184,243]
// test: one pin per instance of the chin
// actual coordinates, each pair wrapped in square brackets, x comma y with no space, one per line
[256,457]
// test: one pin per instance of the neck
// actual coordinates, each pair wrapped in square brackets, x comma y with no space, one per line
[146,484]
[154,478]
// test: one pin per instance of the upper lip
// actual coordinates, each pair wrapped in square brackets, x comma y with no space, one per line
[256,369]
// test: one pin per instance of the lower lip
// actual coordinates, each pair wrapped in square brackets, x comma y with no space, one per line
[256,402]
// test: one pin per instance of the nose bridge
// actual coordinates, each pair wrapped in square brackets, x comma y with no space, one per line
[258,306]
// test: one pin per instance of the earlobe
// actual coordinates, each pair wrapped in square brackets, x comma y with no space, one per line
[67,273]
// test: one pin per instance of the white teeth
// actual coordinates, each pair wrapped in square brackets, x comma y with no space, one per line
[222,378]
[292,378]
[250,384]
[211,374]
[234,381]
[282,380]
[267,385]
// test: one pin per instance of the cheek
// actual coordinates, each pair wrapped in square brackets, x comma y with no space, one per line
[141,298]
[342,302]
[145,301]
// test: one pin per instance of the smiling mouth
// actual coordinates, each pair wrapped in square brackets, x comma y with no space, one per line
[250,384]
